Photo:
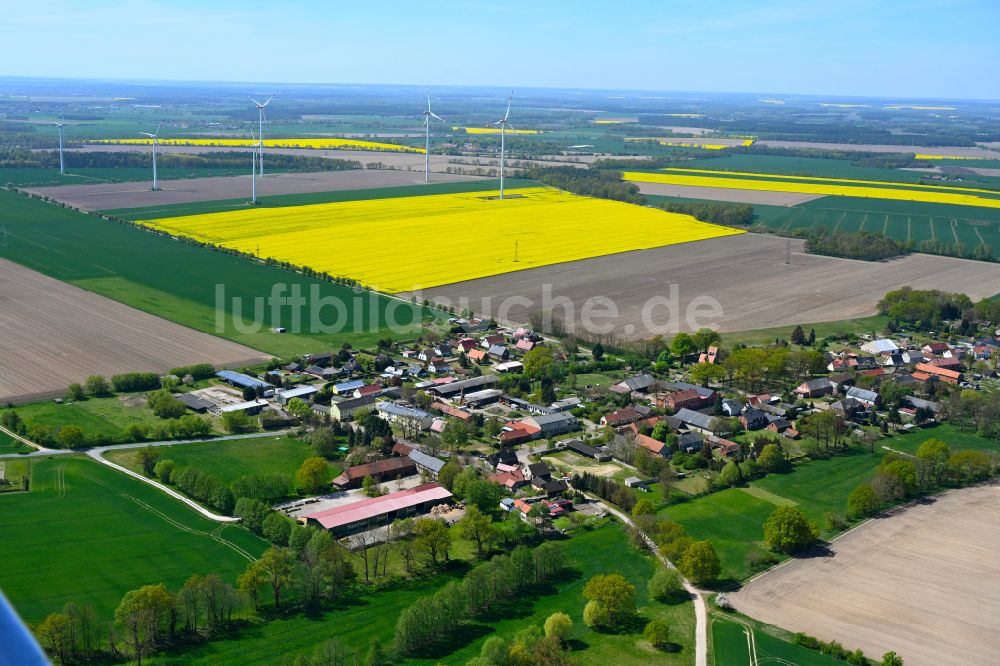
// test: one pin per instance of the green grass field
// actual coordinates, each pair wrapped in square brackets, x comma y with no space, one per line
[88,534]
[819,486]
[901,220]
[229,459]
[283,200]
[837,329]
[94,415]
[177,281]
[47,177]
[730,519]
[732,647]
[601,550]
[733,519]
[951,435]
[10,445]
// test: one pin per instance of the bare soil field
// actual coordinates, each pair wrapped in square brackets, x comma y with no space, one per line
[746,275]
[109,196]
[924,582]
[53,334]
[885,148]
[385,160]
[727,194]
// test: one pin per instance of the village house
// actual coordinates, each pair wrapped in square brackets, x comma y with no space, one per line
[688,398]
[621,417]
[814,388]
[380,470]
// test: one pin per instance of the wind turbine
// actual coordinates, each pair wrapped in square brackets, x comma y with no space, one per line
[428,114]
[62,170]
[503,125]
[260,130]
[153,137]
[253,171]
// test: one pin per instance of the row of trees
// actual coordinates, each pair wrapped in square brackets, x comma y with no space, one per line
[975,410]
[432,619]
[23,158]
[589,182]
[727,214]
[863,245]
[935,465]
[980,252]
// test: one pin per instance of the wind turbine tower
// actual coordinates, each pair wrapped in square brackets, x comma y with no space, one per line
[62,169]
[260,130]
[503,124]
[428,114]
[153,137]
[253,172]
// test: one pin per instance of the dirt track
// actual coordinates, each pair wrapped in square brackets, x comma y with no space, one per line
[53,334]
[924,583]
[110,196]
[727,194]
[746,274]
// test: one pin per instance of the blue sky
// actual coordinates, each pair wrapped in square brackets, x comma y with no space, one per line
[913,49]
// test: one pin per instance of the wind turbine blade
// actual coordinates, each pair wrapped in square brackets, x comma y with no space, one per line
[507,115]
[268,100]
[255,101]
[157,133]
[434,115]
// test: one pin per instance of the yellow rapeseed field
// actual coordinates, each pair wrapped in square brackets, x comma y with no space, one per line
[409,243]
[319,144]
[678,144]
[952,157]
[832,180]
[822,189]
[492,130]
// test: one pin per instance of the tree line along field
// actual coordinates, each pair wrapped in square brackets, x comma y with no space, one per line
[174,280]
[86,533]
[589,552]
[733,519]
[900,220]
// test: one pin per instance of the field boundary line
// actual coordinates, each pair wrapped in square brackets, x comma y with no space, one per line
[909,228]
[840,219]
[933,232]
[954,230]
